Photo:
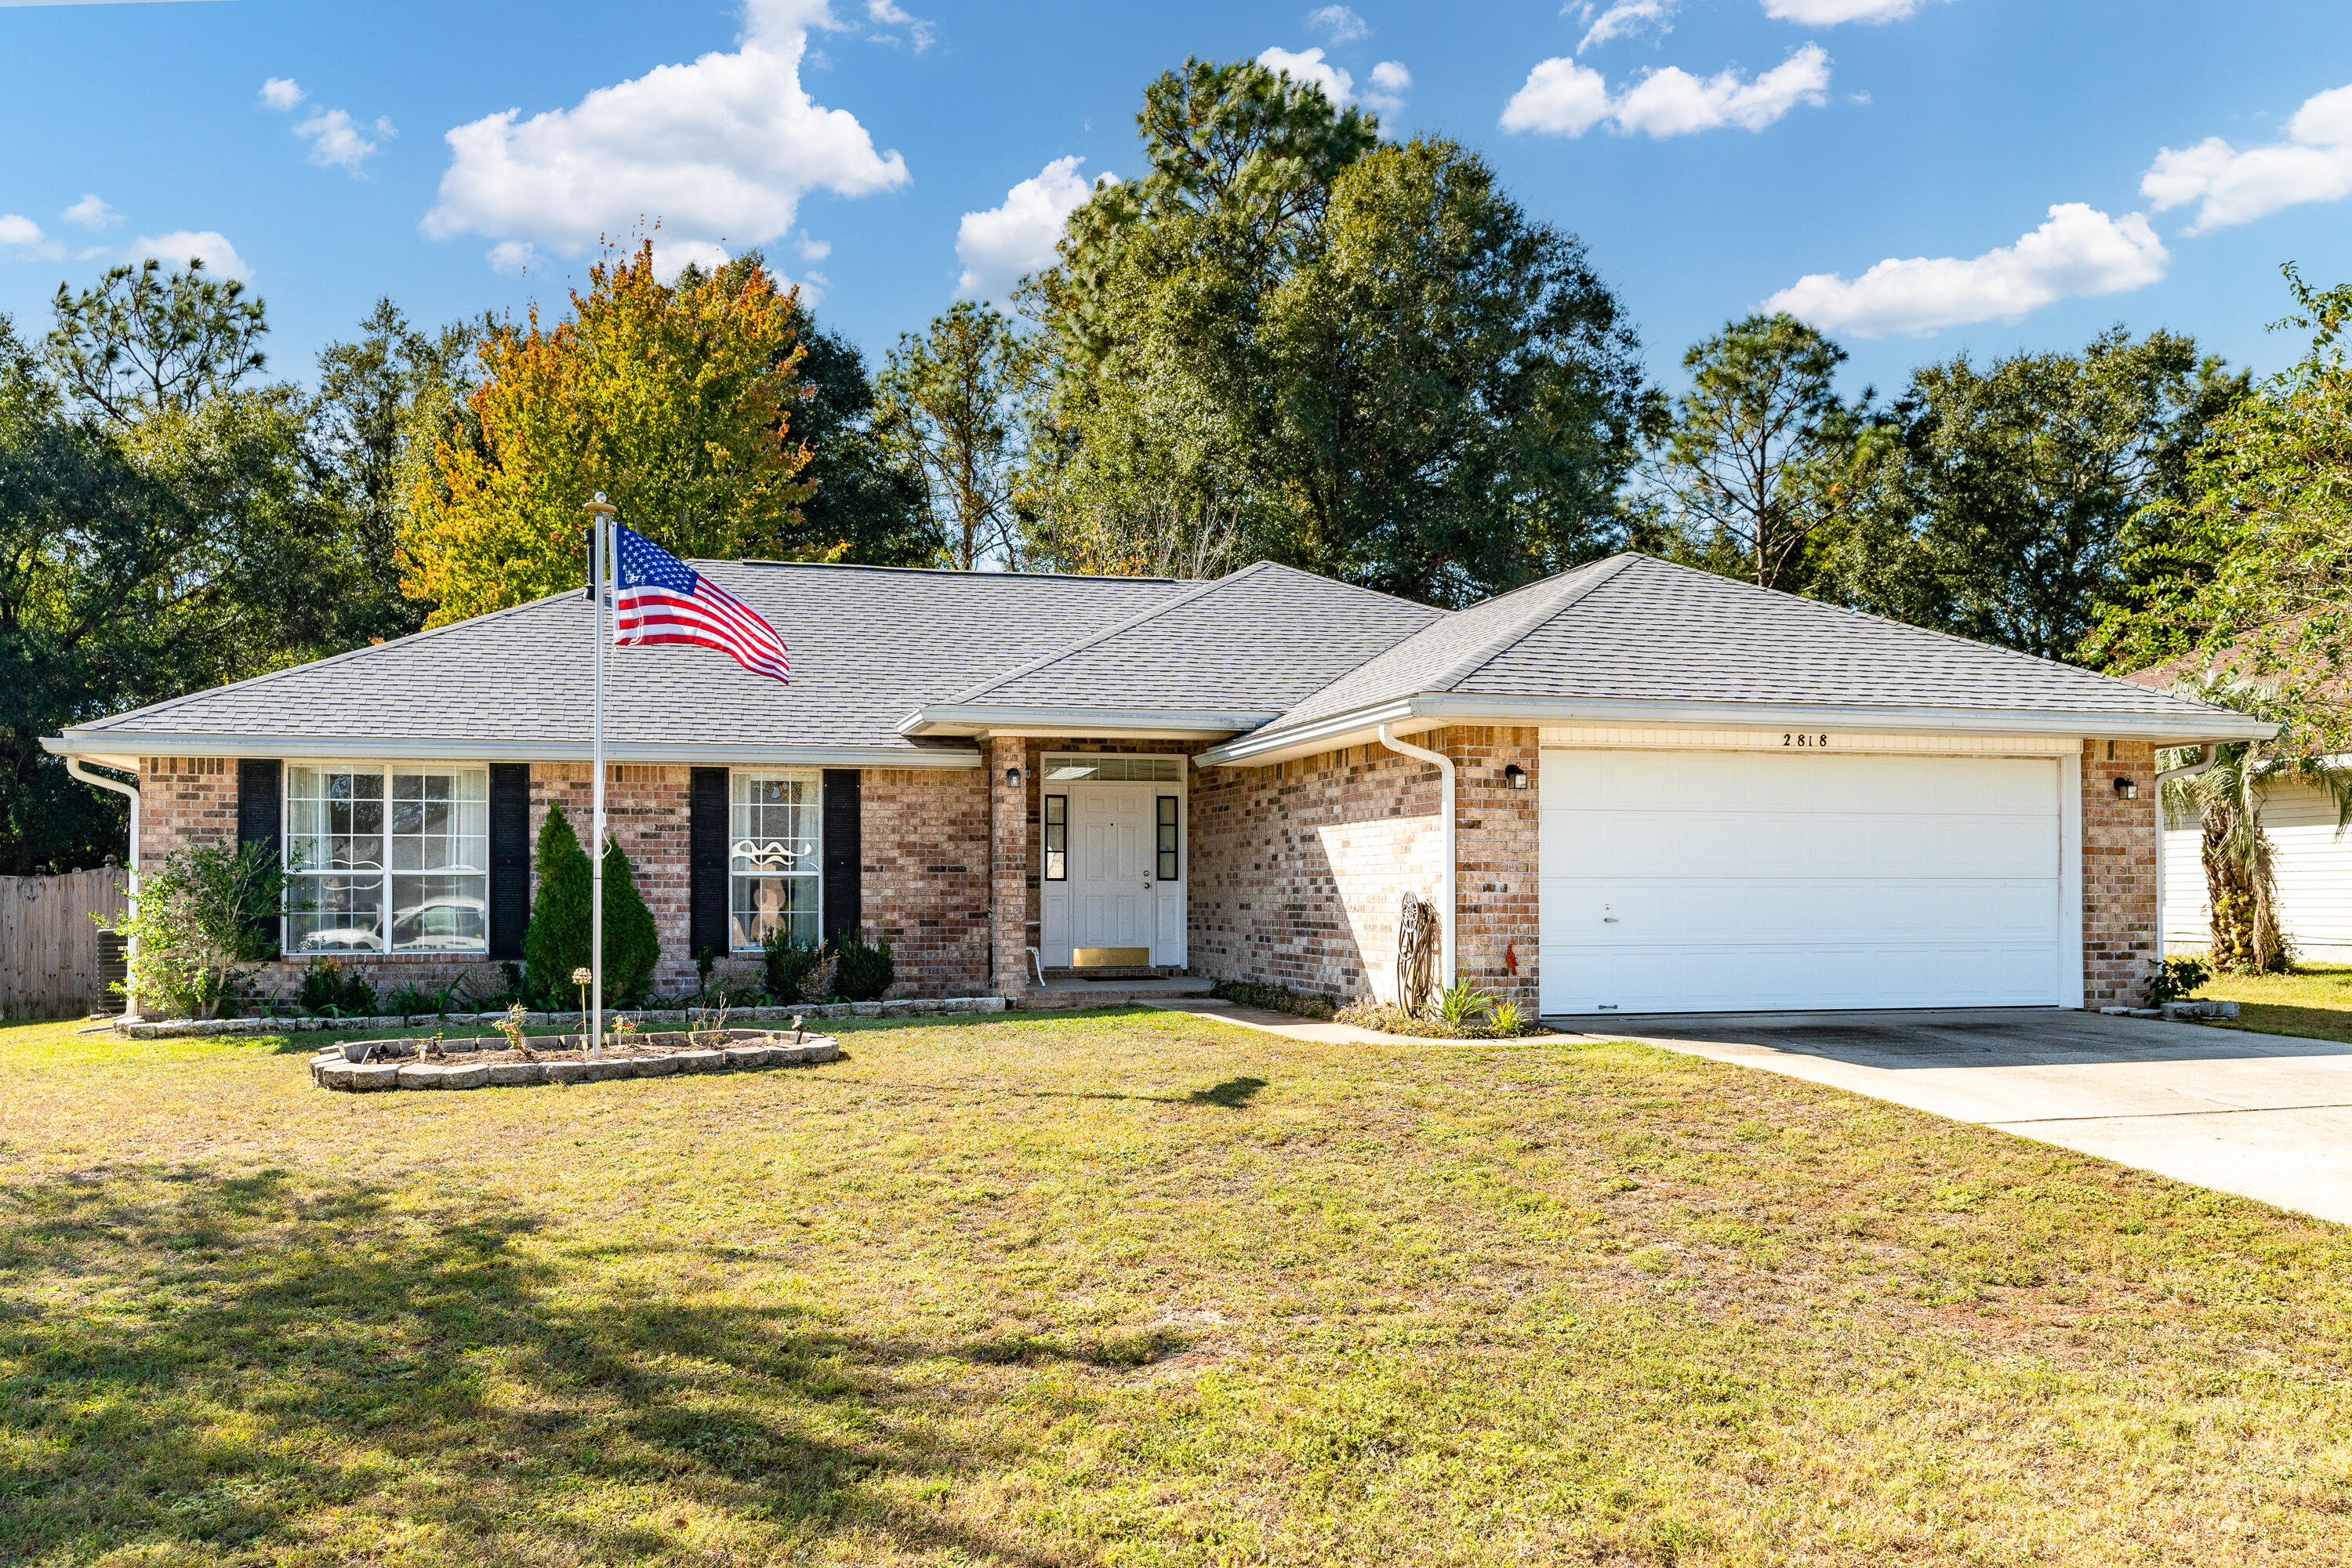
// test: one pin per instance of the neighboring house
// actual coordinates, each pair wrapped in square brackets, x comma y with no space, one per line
[2313,866]
[1670,790]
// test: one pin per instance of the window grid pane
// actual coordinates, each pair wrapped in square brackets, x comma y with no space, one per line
[1168,844]
[1058,837]
[774,859]
[374,869]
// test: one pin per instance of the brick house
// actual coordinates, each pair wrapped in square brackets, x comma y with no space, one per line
[1633,787]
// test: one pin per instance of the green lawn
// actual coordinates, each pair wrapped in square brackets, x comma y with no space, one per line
[1131,1289]
[2315,1001]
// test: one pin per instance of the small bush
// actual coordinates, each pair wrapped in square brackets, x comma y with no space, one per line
[1461,1004]
[2176,979]
[556,942]
[198,919]
[865,970]
[1279,998]
[787,964]
[1394,1020]
[331,991]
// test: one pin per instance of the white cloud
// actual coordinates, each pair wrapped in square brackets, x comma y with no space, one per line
[1565,99]
[1338,25]
[1623,18]
[722,149]
[2313,164]
[814,251]
[91,212]
[1672,102]
[279,92]
[1004,244]
[1308,65]
[15,230]
[670,260]
[182,246]
[886,14]
[512,256]
[2079,252]
[337,143]
[1559,96]
[1829,13]
[1390,82]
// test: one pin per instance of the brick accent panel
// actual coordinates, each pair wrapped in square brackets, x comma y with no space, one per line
[184,801]
[1010,880]
[1300,868]
[926,869]
[2121,849]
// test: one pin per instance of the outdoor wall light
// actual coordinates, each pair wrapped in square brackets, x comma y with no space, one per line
[1013,777]
[2127,790]
[1515,776]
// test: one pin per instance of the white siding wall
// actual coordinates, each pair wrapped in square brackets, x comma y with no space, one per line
[2314,877]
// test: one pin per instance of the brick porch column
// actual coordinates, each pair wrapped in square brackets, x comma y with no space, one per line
[1008,870]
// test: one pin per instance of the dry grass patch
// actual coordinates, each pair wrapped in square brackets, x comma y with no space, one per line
[1131,1289]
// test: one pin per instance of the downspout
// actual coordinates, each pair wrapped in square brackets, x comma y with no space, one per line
[2189,772]
[1445,795]
[80,770]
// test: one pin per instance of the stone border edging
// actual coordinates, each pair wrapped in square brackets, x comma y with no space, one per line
[332,1070]
[905,1006]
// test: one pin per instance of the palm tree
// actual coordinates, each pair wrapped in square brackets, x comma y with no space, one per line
[2241,880]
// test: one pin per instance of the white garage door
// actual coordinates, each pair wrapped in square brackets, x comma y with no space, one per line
[1711,881]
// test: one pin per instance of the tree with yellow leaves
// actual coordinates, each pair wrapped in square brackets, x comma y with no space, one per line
[675,400]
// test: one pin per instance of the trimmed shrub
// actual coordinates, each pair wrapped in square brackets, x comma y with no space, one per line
[865,970]
[556,942]
[1280,998]
[786,964]
[632,945]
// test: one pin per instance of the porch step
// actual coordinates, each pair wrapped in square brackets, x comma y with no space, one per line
[1056,993]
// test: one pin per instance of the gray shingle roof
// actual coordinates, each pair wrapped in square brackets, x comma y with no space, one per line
[1256,641]
[867,644]
[1635,628]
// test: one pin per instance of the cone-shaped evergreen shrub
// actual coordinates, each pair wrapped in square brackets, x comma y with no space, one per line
[632,946]
[556,942]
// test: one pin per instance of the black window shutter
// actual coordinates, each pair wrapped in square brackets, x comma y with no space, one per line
[843,823]
[509,856]
[259,818]
[706,861]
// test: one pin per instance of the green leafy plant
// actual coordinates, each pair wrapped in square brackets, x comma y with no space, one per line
[786,964]
[1506,1020]
[1279,998]
[329,990]
[1463,1002]
[632,942]
[198,919]
[2176,979]
[556,942]
[866,969]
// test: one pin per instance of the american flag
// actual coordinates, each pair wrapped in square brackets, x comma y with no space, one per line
[662,599]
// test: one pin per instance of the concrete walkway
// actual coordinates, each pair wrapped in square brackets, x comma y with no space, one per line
[1267,1021]
[2261,1115]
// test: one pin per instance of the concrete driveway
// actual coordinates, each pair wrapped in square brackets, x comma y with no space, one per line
[2262,1115]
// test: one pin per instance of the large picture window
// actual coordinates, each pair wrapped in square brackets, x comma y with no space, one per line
[774,860]
[387,859]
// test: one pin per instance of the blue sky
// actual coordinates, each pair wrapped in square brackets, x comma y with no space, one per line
[2027,172]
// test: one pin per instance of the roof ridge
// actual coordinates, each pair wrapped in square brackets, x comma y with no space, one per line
[422,632]
[1592,574]
[939,571]
[1034,665]
[1975,643]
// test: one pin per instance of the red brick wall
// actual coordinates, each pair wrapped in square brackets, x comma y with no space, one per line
[183,801]
[1299,869]
[647,811]
[2121,849]
[926,876]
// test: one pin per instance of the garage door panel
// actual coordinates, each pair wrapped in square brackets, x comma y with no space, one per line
[1714,880]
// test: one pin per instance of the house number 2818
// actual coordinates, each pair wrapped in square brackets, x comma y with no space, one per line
[1810,741]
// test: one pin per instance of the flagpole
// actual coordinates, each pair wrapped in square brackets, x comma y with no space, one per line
[597,580]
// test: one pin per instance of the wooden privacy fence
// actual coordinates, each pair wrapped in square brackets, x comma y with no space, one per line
[50,963]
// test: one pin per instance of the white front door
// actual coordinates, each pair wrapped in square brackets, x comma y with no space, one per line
[1111,881]
[1707,881]
[1113,857]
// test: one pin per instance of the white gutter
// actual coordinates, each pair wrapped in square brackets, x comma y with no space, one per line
[80,770]
[1445,795]
[1433,710]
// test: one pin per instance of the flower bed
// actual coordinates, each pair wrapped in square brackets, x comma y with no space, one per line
[1391,1020]
[490,1061]
[906,1006]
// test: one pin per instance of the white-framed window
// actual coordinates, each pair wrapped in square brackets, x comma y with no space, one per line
[387,857]
[1108,767]
[775,861]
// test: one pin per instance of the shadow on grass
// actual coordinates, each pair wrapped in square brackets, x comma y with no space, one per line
[1234,1094]
[242,1366]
